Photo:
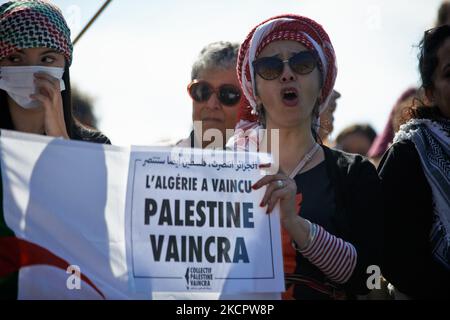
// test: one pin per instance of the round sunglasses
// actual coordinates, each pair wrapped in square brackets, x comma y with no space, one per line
[270,68]
[228,94]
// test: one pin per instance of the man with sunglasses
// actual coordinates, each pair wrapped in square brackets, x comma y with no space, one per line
[216,96]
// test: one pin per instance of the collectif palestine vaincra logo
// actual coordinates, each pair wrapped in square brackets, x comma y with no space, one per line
[198,278]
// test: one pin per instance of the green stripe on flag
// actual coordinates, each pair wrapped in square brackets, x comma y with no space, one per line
[8,285]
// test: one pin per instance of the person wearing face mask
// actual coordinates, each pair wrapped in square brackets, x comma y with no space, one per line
[35,95]
[216,95]
[328,200]
[35,56]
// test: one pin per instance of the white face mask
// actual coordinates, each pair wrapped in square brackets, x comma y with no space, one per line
[18,82]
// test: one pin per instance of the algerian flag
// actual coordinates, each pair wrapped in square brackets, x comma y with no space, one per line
[63,212]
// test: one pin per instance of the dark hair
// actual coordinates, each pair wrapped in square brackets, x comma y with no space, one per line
[83,108]
[5,116]
[67,104]
[443,14]
[363,129]
[74,129]
[428,62]
[428,59]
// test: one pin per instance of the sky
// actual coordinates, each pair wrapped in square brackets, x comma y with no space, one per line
[135,61]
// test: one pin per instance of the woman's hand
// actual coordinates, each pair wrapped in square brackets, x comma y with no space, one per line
[279,188]
[48,93]
[284,189]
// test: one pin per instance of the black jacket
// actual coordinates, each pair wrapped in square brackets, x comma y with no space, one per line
[357,218]
[407,260]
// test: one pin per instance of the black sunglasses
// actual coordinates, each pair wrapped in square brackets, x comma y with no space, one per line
[228,94]
[270,68]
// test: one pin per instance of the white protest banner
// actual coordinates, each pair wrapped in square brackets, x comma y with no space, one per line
[196,224]
[68,208]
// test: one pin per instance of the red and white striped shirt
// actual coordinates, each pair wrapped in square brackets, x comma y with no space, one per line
[333,256]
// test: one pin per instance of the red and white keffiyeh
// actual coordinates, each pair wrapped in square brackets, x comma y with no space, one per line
[283,27]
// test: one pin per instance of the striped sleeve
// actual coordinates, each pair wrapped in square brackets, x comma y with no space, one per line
[333,256]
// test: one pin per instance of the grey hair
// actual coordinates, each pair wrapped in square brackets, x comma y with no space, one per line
[216,55]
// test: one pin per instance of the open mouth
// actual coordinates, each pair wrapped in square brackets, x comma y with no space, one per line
[289,96]
[211,119]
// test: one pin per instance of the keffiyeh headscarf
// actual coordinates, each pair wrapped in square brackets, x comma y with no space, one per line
[432,142]
[284,27]
[33,24]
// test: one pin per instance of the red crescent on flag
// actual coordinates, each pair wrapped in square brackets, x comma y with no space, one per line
[17,253]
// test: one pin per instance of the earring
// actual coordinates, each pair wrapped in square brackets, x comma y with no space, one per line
[260,113]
